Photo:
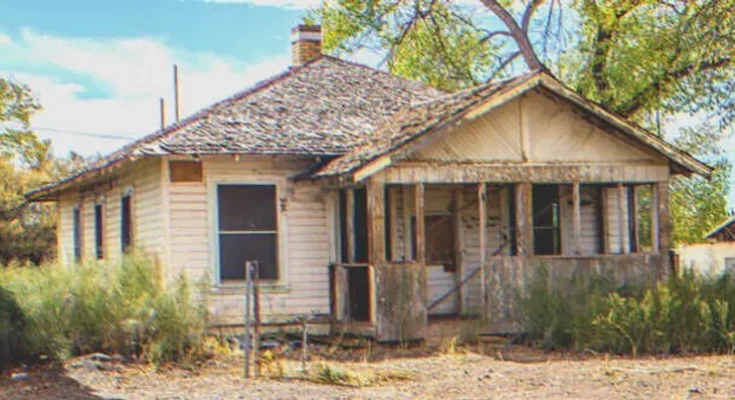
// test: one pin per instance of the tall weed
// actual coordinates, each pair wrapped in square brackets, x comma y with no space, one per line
[114,306]
[685,314]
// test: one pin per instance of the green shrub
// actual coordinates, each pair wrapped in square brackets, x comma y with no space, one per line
[686,314]
[116,306]
[12,329]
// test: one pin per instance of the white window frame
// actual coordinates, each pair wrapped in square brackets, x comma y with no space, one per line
[282,283]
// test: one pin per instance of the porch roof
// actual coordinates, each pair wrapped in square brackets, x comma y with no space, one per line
[411,127]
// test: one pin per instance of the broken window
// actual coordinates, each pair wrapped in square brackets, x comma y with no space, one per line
[248,230]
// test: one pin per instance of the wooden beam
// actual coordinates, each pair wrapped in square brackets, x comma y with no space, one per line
[622,216]
[407,209]
[410,172]
[350,224]
[482,229]
[458,201]
[576,219]
[525,131]
[664,223]
[524,219]
[420,229]
[654,220]
[604,220]
[376,218]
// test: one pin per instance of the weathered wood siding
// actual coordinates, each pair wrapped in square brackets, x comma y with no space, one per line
[142,178]
[305,250]
[555,134]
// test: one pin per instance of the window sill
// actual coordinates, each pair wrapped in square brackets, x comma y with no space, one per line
[237,288]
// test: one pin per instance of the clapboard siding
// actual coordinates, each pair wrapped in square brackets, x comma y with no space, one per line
[143,178]
[303,236]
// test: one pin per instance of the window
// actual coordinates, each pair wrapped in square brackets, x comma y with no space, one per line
[126,223]
[247,230]
[546,220]
[99,233]
[77,228]
[440,243]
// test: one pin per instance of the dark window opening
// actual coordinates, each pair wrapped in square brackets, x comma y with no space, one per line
[77,228]
[361,236]
[439,239]
[546,220]
[343,242]
[632,220]
[600,214]
[358,292]
[99,234]
[248,230]
[126,224]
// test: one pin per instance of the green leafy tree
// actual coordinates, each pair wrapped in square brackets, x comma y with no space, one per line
[27,231]
[648,60]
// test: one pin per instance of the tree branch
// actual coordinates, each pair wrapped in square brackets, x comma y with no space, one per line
[517,33]
[530,9]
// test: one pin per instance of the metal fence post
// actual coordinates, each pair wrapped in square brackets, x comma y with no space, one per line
[248,289]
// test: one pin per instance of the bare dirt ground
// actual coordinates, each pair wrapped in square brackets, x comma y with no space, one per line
[390,373]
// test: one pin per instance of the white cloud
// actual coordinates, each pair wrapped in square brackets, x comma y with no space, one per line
[5,40]
[133,73]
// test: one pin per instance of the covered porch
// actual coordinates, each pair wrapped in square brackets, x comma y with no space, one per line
[418,241]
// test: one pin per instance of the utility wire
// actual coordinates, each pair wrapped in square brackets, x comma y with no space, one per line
[87,134]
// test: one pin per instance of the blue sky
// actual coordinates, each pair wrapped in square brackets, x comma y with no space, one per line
[100,66]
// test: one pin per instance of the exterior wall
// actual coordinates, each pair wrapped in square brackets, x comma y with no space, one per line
[533,128]
[143,179]
[707,258]
[305,247]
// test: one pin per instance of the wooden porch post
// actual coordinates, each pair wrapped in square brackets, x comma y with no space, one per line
[664,224]
[576,218]
[420,229]
[457,200]
[376,231]
[604,220]
[654,219]
[350,224]
[524,219]
[482,212]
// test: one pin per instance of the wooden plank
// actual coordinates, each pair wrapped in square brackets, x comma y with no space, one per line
[604,216]
[409,172]
[525,130]
[576,218]
[350,223]
[482,229]
[407,207]
[524,219]
[420,228]
[622,214]
[458,201]
[376,218]
[664,222]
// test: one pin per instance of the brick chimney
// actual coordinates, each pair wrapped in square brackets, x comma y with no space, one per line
[306,43]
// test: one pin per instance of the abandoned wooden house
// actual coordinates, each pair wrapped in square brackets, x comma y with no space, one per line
[379,201]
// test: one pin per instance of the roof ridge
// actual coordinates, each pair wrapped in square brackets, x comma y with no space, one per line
[386,73]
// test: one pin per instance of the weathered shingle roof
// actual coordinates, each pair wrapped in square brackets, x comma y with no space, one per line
[411,123]
[324,107]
